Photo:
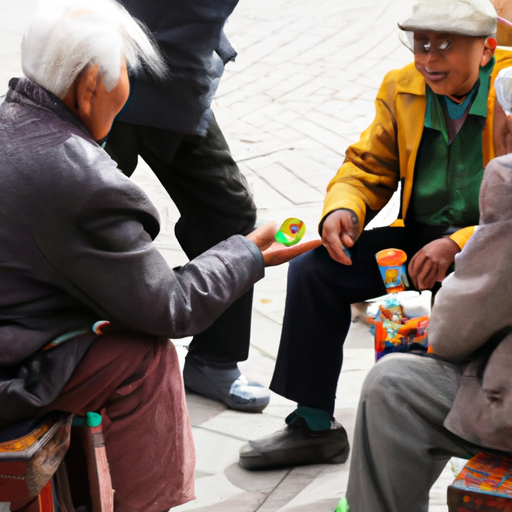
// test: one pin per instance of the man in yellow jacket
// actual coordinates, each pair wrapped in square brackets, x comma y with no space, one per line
[433,134]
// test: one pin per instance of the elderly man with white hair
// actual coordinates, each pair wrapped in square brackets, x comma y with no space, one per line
[76,247]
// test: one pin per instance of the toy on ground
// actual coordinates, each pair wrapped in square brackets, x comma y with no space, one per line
[291,232]
[342,506]
[393,331]
[484,485]
[392,269]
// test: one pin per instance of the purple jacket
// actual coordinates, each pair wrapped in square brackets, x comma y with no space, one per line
[76,246]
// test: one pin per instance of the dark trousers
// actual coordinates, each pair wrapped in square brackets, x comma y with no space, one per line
[317,313]
[214,203]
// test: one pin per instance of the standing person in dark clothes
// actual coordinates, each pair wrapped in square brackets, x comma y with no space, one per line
[170,124]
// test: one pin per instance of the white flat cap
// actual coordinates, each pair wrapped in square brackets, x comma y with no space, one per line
[465,17]
[503,87]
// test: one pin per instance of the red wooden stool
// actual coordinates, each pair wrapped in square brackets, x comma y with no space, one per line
[33,474]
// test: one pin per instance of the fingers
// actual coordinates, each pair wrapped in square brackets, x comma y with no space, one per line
[427,276]
[415,266]
[336,249]
[278,254]
[424,272]
[340,230]
[264,235]
[431,263]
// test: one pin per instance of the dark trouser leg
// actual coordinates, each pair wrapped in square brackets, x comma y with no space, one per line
[317,313]
[214,203]
[135,381]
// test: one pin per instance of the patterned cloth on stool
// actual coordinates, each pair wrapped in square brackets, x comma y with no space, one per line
[484,485]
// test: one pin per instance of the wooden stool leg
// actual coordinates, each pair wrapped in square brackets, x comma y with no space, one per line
[42,503]
[100,482]
[46,498]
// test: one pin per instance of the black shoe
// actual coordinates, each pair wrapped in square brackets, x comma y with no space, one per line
[296,445]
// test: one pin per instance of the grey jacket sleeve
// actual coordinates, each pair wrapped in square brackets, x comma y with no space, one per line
[476,300]
[96,235]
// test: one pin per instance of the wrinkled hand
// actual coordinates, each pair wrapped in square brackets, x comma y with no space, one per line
[278,253]
[340,229]
[431,263]
[264,236]
[273,252]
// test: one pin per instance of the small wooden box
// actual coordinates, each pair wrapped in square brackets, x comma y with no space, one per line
[30,453]
[484,485]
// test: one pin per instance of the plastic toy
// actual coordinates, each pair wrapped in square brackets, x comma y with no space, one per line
[393,331]
[291,231]
[392,269]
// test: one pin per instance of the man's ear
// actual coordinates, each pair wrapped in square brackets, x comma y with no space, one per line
[85,89]
[489,48]
[80,96]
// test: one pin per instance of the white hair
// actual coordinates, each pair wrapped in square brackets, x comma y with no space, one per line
[66,37]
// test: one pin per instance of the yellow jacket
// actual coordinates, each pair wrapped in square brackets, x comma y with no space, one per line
[386,152]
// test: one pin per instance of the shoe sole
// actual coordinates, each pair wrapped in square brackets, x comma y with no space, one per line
[262,462]
[248,407]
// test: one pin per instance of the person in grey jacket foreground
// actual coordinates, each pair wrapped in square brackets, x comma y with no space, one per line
[76,247]
[416,412]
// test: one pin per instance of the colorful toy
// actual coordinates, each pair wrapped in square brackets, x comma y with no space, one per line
[291,231]
[393,331]
[484,484]
[392,269]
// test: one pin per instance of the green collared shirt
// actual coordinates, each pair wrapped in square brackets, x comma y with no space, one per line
[448,173]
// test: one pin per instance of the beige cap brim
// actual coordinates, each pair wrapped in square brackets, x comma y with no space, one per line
[475,18]
[442,24]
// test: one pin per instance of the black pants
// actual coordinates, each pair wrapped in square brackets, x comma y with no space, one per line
[214,203]
[317,313]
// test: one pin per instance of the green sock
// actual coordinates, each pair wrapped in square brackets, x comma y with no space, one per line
[342,506]
[316,419]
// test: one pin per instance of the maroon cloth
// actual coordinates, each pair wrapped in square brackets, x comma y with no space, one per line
[134,380]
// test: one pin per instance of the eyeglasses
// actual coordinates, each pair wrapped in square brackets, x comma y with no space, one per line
[427,47]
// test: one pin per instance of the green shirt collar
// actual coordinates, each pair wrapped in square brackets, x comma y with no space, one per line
[479,107]
[434,117]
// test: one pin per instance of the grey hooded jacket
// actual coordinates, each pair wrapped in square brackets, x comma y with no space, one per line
[76,246]
[474,303]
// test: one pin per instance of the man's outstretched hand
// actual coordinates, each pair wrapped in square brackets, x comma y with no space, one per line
[431,263]
[273,252]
